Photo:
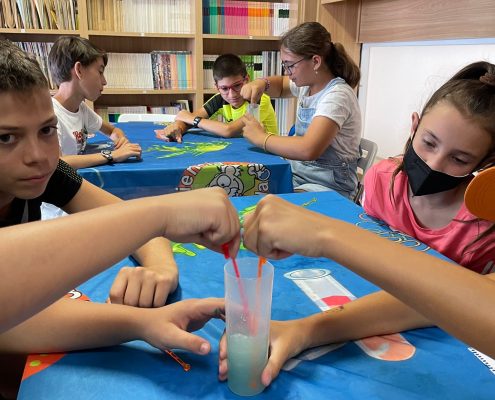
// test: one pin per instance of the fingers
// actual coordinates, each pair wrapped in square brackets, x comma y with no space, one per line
[162,290]
[212,307]
[272,369]
[254,98]
[118,288]
[222,358]
[146,289]
[179,339]
[225,226]
[139,287]
[160,134]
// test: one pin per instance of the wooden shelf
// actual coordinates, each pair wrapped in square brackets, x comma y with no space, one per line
[240,37]
[143,34]
[112,91]
[54,32]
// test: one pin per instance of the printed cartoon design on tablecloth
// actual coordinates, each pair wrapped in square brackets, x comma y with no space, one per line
[382,229]
[38,362]
[327,293]
[236,178]
[193,148]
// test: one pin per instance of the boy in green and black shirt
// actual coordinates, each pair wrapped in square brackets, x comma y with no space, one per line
[230,75]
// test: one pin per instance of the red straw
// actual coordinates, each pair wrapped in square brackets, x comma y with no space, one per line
[261,262]
[225,248]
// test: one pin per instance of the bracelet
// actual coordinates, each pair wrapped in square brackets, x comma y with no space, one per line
[266,139]
[267,83]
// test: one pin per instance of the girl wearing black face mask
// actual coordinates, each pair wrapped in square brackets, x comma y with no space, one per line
[422,192]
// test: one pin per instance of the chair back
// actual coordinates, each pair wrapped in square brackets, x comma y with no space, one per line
[146,117]
[368,150]
[368,153]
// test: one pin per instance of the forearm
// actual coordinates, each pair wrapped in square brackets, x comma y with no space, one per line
[117,133]
[453,297]
[231,129]
[292,148]
[278,87]
[65,266]
[72,325]
[85,160]
[112,131]
[376,314]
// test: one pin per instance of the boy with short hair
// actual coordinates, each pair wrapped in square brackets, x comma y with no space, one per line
[51,257]
[77,67]
[230,74]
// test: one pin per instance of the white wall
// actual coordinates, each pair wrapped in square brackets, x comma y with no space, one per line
[398,79]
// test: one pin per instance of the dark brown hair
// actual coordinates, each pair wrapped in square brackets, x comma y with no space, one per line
[66,51]
[311,38]
[228,65]
[20,71]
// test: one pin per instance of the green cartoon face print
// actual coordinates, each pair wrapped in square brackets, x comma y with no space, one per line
[237,179]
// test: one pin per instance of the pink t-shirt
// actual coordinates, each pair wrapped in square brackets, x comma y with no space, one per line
[449,240]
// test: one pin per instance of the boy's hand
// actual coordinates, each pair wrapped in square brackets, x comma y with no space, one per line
[144,286]
[172,133]
[252,91]
[203,216]
[168,327]
[285,342]
[119,138]
[126,151]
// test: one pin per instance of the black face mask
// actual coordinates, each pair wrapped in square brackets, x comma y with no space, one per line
[424,180]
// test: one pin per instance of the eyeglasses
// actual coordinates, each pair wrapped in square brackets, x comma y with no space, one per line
[236,87]
[290,68]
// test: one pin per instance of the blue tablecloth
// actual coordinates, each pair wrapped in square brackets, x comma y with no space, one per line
[441,367]
[234,163]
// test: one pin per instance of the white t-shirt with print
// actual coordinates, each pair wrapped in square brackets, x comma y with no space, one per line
[73,128]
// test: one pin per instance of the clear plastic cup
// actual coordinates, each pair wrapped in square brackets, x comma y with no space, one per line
[254,110]
[248,303]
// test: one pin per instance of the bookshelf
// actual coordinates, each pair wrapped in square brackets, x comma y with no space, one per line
[105,23]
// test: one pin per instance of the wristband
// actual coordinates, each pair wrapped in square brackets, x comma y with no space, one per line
[196,121]
[266,139]
[267,83]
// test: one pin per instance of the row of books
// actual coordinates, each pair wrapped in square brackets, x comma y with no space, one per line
[265,64]
[161,16]
[160,69]
[38,14]
[155,70]
[111,114]
[40,50]
[231,17]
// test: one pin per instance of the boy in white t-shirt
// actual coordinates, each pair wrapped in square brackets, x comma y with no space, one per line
[77,67]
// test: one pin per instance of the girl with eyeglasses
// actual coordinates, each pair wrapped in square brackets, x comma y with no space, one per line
[325,149]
